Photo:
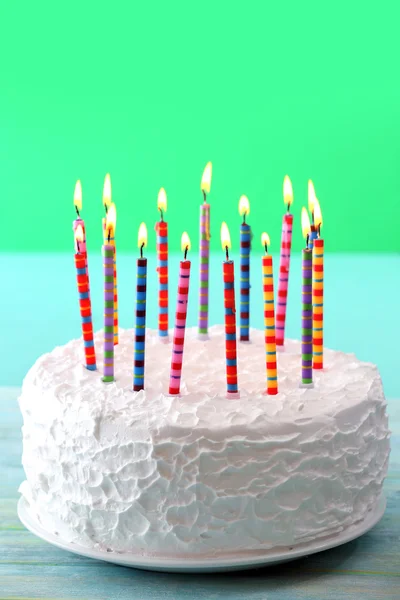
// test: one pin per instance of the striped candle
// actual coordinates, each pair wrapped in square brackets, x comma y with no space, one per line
[108,255]
[162,266]
[204,268]
[230,317]
[80,222]
[269,319]
[85,305]
[284,264]
[318,293]
[140,326]
[204,257]
[306,318]
[245,247]
[180,321]
[313,236]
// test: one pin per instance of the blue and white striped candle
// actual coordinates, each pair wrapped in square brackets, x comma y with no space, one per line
[245,247]
[140,325]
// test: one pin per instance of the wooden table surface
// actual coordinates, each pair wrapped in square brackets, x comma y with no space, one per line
[367,568]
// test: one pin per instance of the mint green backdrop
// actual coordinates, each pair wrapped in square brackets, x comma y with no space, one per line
[151,91]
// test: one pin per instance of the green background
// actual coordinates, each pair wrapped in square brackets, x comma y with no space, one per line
[151,92]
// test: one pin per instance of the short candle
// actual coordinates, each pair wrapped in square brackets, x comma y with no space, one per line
[230,317]
[204,257]
[245,248]
[306,315]
[140,325]
[269,318]
[162,266]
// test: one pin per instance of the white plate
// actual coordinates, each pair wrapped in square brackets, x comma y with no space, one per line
[209,564]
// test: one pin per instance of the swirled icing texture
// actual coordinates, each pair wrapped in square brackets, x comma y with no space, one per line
[200,474]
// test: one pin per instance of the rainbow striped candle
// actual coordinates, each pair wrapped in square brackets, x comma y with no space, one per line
[85,305]
[318,294]
[162,267]
[284,265]
[111,216]
[140,326]
[180,320]
[269,319]
[230,317]
[80,222]
[245,247]
[108,255]
[204,258]
[306,315]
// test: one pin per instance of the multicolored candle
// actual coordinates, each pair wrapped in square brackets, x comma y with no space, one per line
[180,319]
[85,305]
[80,222]
[306,315]
[204,258]
[312,200]
[162,266]
[109,205]
[140,326]
[108,257]
[318,293]
[284,265]
[230,317]
[245,247]
[269,318]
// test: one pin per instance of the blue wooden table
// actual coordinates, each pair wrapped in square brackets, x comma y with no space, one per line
[367,568]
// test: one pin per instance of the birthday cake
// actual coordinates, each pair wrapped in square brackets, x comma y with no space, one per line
[201,474]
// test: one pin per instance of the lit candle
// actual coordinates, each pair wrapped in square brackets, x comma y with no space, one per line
[109,205]
[80,222]
[306,315]
[162,266]
[269,318]
[140,326]
[108,254]
[318,292]
[230,317]
[85,306]
[180,319]
[284,265]
[245,247]
[312,200]
[204,257]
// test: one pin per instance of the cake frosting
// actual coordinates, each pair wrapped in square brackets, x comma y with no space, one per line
[201,474]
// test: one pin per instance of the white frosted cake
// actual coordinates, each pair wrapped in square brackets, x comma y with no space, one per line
[200,474]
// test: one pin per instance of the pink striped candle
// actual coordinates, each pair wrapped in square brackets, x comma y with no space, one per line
[204,258]
[180,321]
[284,265]
[80,222]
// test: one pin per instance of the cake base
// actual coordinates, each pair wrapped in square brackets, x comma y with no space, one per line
[211,564]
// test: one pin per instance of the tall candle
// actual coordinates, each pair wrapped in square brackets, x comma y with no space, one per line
[85,306]
[162,266]
[306,315]
[245,247]
[180,319]
[284,265]
[108,257]
[204,257]
[140,325]
[269,319]
[230,317]
[80,222]
[110,206]
[318,293]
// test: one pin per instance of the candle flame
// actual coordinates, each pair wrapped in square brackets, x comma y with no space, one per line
[111,220]
[287,191]
[225,237]
[305,222]
[79,236]
[162,200]
[265,240]
[311,196]
[244,206]
[205,185]
[142,235]
[185,241]
[107,191]
[317,213]
[78,195]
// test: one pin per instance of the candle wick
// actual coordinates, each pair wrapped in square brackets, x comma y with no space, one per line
[77,246]
[109,235]
[307,238]
[77,211]
[266,249]
[106,207]
[244,218]
[186,251]
[141,250]
[161,215]
[204,196]
[319,230]
[227,252]
[288,207]
[312,217]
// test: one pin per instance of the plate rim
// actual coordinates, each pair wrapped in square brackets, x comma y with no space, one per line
[211,563]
